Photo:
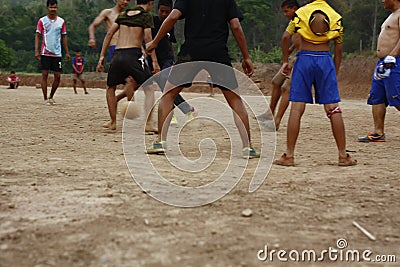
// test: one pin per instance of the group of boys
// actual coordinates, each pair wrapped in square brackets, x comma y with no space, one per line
[312,28]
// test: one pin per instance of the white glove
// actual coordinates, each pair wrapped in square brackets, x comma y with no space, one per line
[383,70]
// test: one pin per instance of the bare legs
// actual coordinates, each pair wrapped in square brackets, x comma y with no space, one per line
[293,129]
[45,74]
[283,105]
[54,86]
[129,91]
[278,93]
[56,83]
[112,100]
[379,113]
[166,106]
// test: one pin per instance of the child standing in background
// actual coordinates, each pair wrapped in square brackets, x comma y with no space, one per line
[78,63]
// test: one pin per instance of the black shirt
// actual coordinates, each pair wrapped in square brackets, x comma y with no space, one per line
[141,19]
[163,50]
[206,23]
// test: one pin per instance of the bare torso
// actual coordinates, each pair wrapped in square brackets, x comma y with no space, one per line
[130,37]
[304,45]
[389,36]
[110,15]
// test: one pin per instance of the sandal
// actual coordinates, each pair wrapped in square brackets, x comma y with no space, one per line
[347,161]
[285,160]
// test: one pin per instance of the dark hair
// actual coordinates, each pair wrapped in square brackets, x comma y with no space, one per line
[77,50]
[143,2]
[12,72]
[167,3]
[290,4]
[51,2]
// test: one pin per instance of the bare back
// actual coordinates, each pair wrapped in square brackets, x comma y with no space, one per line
[389,36]
[130,37]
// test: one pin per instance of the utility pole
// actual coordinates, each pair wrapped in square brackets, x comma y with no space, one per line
[373,43]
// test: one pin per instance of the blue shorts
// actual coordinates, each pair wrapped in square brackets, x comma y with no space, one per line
[314,68]
[386,91]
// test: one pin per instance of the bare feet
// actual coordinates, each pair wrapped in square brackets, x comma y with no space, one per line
[347,161]
[110,125]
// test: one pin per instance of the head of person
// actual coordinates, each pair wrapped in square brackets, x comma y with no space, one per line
[164,9]
[391,4]
[12,73]
[289,7]
[122,4]
[147,3]
[78,52]
[52,7]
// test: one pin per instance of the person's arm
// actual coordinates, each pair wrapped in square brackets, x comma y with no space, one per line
[147,38]
[64,40]
[74,67]
[396,50]
[107,39]
[83,66]
[166,26]
[237,31]
[96,22]
[37,45]
[286,68]
[337,58]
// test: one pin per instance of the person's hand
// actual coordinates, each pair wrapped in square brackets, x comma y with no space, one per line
[37,55]
[150,47]
[248,67]
[100,64]
[156,67]
[92,42]
[68,57]
[383,70]
[286,69]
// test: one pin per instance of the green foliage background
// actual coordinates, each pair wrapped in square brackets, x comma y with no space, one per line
[263,25]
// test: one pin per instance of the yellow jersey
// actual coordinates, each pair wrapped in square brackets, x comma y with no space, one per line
[305,16]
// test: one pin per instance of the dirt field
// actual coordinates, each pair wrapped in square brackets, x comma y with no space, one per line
[67,197]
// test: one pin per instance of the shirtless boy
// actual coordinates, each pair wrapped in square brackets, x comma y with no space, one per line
[280,83]
[108,16]
[134,27]
[385,89]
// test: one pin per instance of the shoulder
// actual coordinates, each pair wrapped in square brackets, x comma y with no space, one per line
[106,12]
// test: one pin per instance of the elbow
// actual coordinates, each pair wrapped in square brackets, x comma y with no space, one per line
[235,27]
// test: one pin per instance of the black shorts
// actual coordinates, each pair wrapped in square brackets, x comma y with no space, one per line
[218,65]
[51,63]
[127,62]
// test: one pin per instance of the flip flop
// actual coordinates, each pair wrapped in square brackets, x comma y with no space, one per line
[285,160]
[347,161]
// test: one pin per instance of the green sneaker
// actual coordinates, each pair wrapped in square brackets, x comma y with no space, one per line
[156,148]
[250,153]
[174,121]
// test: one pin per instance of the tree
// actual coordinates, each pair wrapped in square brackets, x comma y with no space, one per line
[6,55]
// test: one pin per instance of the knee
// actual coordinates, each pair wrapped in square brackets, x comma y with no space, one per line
[333,111]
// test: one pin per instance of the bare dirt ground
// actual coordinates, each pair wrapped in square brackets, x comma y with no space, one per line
[67,197]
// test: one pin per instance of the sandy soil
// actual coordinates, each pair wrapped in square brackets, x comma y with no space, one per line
[67,197]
